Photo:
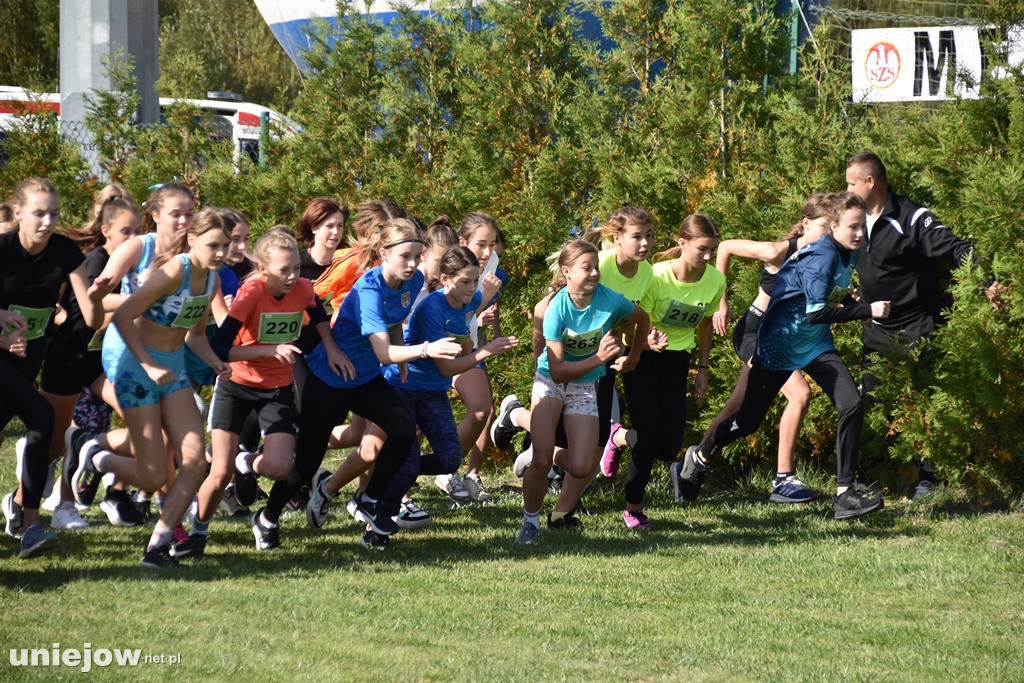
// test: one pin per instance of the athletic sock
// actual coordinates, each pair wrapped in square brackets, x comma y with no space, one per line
[242,462]
[266,522]
[699,455]
[513,413]
[557,515]
[782,476]
[161,536]
[99,461]
[532,518]
[199,527]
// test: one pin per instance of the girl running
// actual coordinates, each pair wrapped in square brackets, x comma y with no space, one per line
[795,335]
[578,342]
[367,328]
[814,222]
[682,295]
[258,337]
[443,314]
[144,358]
[35,263]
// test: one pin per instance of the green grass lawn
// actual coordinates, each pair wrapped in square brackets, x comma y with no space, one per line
[731,588]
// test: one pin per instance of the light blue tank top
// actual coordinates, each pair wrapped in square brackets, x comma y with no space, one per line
[182,309]
[134,278]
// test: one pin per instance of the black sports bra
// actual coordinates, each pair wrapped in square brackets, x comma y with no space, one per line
[768,278]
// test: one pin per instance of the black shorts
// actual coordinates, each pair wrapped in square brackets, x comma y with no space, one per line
[744,335]
[69,364]
[232,404]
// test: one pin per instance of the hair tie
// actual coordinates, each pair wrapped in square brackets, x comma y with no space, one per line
[395,244]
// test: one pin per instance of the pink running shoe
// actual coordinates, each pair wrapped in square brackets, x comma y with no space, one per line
[612,454]
[180,535]
[635,519]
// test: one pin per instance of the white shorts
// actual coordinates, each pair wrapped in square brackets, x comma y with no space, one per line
[576,399]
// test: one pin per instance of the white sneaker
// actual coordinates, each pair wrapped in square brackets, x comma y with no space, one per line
[453,486]
[65,516]
[51,502]
[412,516]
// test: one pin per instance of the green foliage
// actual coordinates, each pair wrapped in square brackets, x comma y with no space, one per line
[29,45]
[110,115]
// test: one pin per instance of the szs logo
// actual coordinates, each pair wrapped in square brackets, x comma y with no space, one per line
[882,65]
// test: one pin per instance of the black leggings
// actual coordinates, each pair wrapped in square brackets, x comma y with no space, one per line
[18,396]
[323,407]
[831,374]
[656,396]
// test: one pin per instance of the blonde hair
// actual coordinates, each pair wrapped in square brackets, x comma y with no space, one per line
[278,237]
[111,201]
[24,189]
[817,206]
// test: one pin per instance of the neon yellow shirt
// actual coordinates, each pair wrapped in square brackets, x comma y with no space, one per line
[677,307]
[632,288]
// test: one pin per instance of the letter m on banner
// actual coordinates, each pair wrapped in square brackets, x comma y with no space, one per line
[936,62]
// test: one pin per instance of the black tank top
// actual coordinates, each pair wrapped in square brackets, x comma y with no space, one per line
[768,278]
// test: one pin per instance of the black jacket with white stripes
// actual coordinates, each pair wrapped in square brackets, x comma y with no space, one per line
[898,261]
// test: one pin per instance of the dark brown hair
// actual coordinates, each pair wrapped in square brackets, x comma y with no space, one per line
[206,220]
[872,164]
[694,227]
[817,206]
[156,200]
[318,211]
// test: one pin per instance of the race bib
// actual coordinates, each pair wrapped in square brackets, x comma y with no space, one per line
[36,318]
[679,314]
[279,328]
[838,294]
[581,343]
[192,311]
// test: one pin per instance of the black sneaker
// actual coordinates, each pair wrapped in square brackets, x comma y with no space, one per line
[503,428]
[86,478]
[142,507]
[229,501]
[851,503]
[160,558]
[373,541]
[37,540]
[567,523]
[687,476]
[246,486]
[267,538]
[372,514]
[193,546]
[555,482]
[120,509]
[301,499]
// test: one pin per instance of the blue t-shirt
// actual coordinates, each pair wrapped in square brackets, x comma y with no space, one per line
[433,319]
[370,307]
[809,280]
[580,330]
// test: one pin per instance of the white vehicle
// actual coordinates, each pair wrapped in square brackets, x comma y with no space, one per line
[229,118]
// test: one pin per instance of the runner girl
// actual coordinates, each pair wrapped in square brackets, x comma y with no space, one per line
[258,337]
[35,263]
[680,299]
[143,354]
[795,335]
[577,331]
[814,222]
[367,328]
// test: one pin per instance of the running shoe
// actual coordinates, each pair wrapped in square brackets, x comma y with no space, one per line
[453,486]
[612,452]
[412,516]
[567,523]
[299,501]
[522,462]
[371,513]
[194,545]
[556,476]
[687,476]
[922,490]
[351,507]
[86,478]
[852,504]
[142,507]
[476,489]
[36,540]
[229,501]
[503,428]
[120,509]
[319,503]
[371,540]
[66,517]
[160,558]
[267,538]
[791,490]
[528,534]
[635,519]
[246,485]
[13,516]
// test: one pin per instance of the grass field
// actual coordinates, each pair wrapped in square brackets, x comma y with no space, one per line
[728,589]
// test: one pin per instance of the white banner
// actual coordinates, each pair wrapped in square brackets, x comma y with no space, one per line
[921,64]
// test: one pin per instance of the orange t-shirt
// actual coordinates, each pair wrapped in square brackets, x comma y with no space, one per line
[337,280]
[269,321]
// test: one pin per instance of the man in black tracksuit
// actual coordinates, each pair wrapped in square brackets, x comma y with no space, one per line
[899,262]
